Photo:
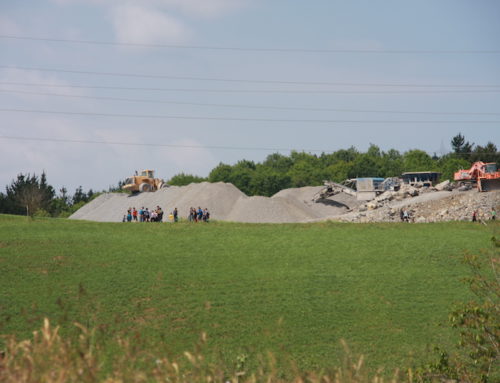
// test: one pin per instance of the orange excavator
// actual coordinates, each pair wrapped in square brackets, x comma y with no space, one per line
[485,175]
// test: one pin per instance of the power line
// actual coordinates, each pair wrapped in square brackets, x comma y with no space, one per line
[152,144]
[175,146]
[242,49]
[213,79]
[241,106]
[208,118]
[252,91]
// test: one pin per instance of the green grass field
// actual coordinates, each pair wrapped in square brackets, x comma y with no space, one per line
[295,290]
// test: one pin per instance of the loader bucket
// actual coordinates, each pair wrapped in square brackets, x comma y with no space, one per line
[489,185]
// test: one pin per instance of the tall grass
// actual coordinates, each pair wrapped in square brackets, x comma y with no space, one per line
[50,358]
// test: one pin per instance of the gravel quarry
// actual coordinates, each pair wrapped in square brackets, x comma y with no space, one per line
[227,203]
[224,201]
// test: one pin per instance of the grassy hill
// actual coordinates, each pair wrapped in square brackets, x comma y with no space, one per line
[292,289]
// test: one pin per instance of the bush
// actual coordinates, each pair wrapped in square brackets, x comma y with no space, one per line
[478,321]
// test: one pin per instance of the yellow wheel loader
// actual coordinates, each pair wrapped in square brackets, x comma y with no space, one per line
[143,182]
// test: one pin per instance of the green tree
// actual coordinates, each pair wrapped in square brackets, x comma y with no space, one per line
[267,181]
[221,173]
[27,194]
[338,172]
[418,160]
[346,155]
[478,322]
[450,164]
[392,163]
[278,162]
[461,147]
[305,173]
[366,166]
[374,151]
[487,153]
[182,179]
[242,177]
[79,196]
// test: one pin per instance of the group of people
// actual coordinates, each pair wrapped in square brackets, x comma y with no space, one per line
[475,215]
[198,215]
[143,215]
[156,215]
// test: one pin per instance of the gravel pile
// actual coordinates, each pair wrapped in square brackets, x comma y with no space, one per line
[227,203]
[430,206]
[224,201]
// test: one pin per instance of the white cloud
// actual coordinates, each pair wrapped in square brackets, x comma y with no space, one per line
[199,8]
[203,8]
[136,24]
[8,27]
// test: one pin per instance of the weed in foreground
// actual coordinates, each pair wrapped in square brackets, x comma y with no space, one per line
[49,357]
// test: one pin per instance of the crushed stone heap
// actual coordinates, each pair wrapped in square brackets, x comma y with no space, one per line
[224,201]
[227,203]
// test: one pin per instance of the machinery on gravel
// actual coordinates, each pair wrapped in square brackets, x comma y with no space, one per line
[485,175]
[143,182]
[332,188]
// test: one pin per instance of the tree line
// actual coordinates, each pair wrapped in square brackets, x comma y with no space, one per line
[299,169]
[30,194]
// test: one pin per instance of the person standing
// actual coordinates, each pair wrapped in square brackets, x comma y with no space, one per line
[159,213]
[474,216]
[134,214]
[493,214]
[176,213]
[207,215]
[141,214]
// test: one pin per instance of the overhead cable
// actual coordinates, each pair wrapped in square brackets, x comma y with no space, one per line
[254,91]
[209,118]
[179,146]
[217,147]
[255,49]
[242,106]
[251,81]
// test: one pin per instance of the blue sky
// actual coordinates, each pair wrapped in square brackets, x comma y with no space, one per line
[435,81]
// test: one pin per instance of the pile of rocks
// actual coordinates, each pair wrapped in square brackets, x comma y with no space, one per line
[225,202]
[429,206]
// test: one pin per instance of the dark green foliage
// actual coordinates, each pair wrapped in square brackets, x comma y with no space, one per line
[183,179]
[27,194]
[418,160]
[268,182]
[461,147]
[278,162]
[366,166]
[449,164]
[299,169]
[31,195]
[221,173]
[477,359]
[487,153]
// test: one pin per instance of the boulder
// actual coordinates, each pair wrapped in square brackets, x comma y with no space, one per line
[445,185]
